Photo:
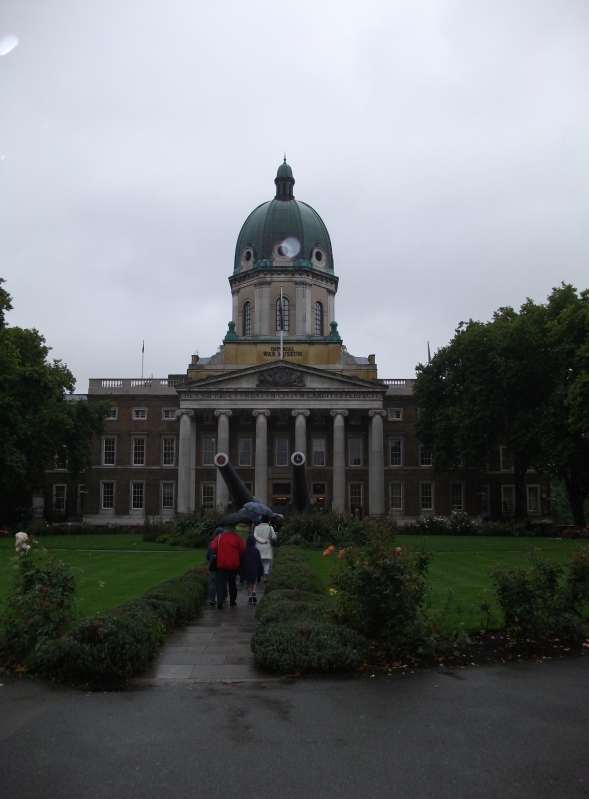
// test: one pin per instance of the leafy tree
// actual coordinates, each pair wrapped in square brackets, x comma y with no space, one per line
[520,381]
[36,419]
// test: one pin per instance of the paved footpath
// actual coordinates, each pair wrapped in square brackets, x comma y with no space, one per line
[213,646]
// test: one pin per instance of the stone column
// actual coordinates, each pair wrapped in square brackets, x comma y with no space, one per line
[376,465]
[262,308]
[301,431]
[330,308]
[339,461]
[222,446]
[235,304]
[309,315]
[184,460]
[261,469]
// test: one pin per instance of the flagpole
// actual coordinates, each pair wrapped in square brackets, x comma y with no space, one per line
[142,356]
[281,326]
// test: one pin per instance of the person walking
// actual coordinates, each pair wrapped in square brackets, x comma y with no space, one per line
[212,559]
[251,568]
[228,546]
[264,535]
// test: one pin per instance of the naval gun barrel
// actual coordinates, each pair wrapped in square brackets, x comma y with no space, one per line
[237,488]
[301,499]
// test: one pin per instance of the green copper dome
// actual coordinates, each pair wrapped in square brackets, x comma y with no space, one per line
[287,220]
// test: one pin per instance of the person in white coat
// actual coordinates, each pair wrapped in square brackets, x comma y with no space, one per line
[264,535]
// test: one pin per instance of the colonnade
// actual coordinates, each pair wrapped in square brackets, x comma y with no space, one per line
[187,455]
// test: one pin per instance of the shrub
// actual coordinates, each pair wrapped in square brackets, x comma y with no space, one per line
[292,578]
[40,606]
[111,647]
[537,602]
[304,645]
[318,529]
[194,530]
[274,611]
[383,593]
[162,539]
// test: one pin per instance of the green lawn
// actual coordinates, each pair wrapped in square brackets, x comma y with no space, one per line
[462,564]
[107,578]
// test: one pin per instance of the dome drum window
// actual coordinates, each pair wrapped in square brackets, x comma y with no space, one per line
[247,318]
[318,318]
[282,315]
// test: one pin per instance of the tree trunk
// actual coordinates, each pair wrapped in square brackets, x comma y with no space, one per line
[577,496]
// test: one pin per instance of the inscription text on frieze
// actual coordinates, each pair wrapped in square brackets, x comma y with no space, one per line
[269,394]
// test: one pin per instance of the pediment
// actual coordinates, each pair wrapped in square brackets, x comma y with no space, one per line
[283,375]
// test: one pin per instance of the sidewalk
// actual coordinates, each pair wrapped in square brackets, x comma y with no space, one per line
[213,646]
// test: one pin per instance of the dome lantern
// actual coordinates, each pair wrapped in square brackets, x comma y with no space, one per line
[284,182]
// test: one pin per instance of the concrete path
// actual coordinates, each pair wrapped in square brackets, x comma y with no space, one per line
[215,646]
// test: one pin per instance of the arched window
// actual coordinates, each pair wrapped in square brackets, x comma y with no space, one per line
[318,319]
[282,318]
[247,318]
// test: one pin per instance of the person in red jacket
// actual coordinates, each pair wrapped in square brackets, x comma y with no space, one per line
[228,547]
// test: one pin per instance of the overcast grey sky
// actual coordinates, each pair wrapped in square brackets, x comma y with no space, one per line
[443,142]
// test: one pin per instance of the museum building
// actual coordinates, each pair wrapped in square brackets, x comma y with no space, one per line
[282,381]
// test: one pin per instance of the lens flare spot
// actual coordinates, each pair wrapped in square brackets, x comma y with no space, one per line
[290,247]
[7,43]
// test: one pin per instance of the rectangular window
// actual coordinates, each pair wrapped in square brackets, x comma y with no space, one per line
[425,457]
[167,496]
[507,500]
[355,451]
[108,451]
[485,500]
[397,496]
[169,451]
[318,452]
[457,496]
[81,497]
[138,452]
[355,496]
[245,452]
[208,452]
[108,495]
[282,451]
[395,414]
[139,414]
[426,496]
[506,464]
[60,459]
[208,496]
[169,414]
[59,496]
[136,496]
[396,451]
[533,493]
[113,414]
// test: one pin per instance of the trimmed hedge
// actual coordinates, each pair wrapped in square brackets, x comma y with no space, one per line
[110,647]
[295,632]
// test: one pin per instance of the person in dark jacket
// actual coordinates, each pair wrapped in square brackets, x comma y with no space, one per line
[251,568]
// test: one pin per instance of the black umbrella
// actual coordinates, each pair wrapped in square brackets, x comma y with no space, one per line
[235,518]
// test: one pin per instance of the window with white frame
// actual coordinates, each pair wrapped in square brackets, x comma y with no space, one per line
[168,451]
[245,452]
[426,496]
[208,496]
[282,451]
[169,414]
[247,318]
[167,496]
[355,451]
[59,497]
[457,496]
[425,457]
[505,462]
[395,414]
[396,496]
[318,452]
[395,451]
[139,414]
[282,314]
[355,494]
[137,491]
[107,490]
[208,452]
[507,500]
[533,496]
[109,447]
[318,318]
[81,497]
[113,414]
[60,459]
[138,452]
